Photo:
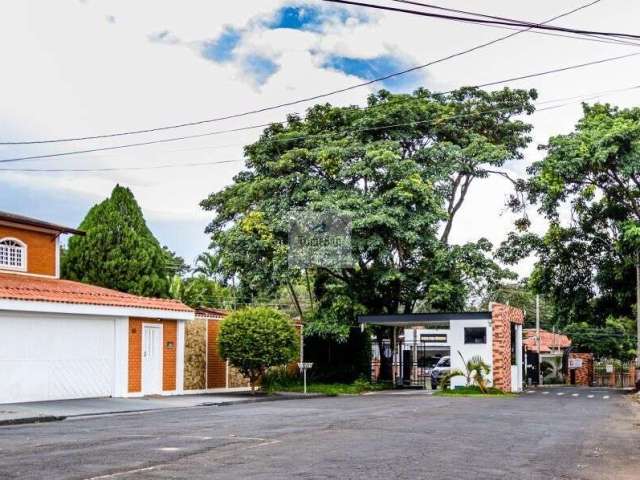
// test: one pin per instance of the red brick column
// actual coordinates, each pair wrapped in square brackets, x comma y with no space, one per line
[502,316]
[584,374]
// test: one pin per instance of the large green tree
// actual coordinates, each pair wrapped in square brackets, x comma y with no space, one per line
[588,188]
[119,251]
[401,168]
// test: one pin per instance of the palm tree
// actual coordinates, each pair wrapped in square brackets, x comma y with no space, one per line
[208,265]
[476,371]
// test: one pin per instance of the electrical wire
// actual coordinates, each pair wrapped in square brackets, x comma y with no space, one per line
[294,102]
[515,23]
[185,137]
[380,127]
[302,137]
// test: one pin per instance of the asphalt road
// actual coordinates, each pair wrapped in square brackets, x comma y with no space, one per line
[381,436]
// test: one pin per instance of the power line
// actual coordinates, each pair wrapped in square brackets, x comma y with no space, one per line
[380,127]
[302,137]
[293,102]
[515,23]
[185,137]
[594,38]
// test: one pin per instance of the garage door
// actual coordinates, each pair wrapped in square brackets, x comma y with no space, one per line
[46,357]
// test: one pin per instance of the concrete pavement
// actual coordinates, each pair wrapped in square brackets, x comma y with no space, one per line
[33,412]
[531,436]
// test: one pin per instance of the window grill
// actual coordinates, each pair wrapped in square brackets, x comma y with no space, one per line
[12,254]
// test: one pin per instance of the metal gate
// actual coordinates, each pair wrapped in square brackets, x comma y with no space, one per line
[407,364]
[613,373]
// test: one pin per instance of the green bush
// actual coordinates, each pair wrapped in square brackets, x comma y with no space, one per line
[255,339]
[280,379]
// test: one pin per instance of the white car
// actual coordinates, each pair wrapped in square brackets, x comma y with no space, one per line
[442,368]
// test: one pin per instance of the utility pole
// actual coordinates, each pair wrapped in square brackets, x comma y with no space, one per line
[538,337]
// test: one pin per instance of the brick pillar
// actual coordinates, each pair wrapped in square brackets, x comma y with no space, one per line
[502,316]
[584,374]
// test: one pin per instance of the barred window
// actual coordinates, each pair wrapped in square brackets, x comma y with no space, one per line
[13,254]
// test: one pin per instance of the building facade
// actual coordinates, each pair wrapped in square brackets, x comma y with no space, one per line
[64,339]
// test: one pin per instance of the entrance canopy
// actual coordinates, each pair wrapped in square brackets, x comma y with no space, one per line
[420,319]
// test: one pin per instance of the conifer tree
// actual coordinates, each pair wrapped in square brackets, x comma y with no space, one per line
[119,251]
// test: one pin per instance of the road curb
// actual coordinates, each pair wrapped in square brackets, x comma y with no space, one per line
[268,398]
[27,420]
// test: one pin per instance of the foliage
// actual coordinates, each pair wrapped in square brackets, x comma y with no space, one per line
[402,185]
[201,292]
[587,264]
[472,391]
[616,339]
[522,295]
[254,339]
[119,251]
[338,362]
[175,263]
[476,371]
[283,380]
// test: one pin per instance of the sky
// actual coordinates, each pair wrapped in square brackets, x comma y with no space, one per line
[82,68]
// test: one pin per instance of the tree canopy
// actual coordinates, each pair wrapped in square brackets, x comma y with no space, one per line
[401,168]
[254,339]
[588,188]
[119,251]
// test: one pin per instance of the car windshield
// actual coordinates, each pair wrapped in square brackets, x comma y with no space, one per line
[444,362]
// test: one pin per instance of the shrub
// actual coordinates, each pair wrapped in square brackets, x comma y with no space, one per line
[254,339]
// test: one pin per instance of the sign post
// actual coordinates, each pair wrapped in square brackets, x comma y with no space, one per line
[304,366]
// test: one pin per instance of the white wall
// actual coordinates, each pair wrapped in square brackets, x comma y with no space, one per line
[49,356]
[455,341]
[469,350]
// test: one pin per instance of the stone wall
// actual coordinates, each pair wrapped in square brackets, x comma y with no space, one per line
[195,354]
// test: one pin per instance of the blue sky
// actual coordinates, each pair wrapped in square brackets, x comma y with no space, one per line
[222,48]
[370,68]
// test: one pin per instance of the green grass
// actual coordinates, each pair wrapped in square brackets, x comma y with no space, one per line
[331,389]
[472,391]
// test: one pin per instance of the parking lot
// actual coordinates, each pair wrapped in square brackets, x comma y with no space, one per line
[563,433]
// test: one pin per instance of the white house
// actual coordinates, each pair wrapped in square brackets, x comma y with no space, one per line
[420,339]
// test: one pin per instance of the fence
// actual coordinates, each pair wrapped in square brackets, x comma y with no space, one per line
[614,373]
[406,364]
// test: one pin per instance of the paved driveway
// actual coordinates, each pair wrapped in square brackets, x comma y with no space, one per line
[382,436]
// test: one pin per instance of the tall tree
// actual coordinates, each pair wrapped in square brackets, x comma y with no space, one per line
[588,260]
[119,251]
[401,168]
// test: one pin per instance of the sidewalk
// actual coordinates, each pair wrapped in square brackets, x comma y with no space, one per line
[35,412]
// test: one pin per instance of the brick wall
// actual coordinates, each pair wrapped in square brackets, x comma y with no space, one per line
[41,249]
[584,374]
[502,316]
[216,366]
[169,335]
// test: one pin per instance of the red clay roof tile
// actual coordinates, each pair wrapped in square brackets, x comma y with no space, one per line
[39,289]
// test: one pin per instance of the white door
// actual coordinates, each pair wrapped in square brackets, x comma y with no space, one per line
[151,359]
[54,357]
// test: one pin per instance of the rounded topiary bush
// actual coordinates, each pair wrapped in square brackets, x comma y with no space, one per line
[254,339]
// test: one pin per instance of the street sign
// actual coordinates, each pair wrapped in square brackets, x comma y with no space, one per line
[305,365]
[609,368]
[575,363]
